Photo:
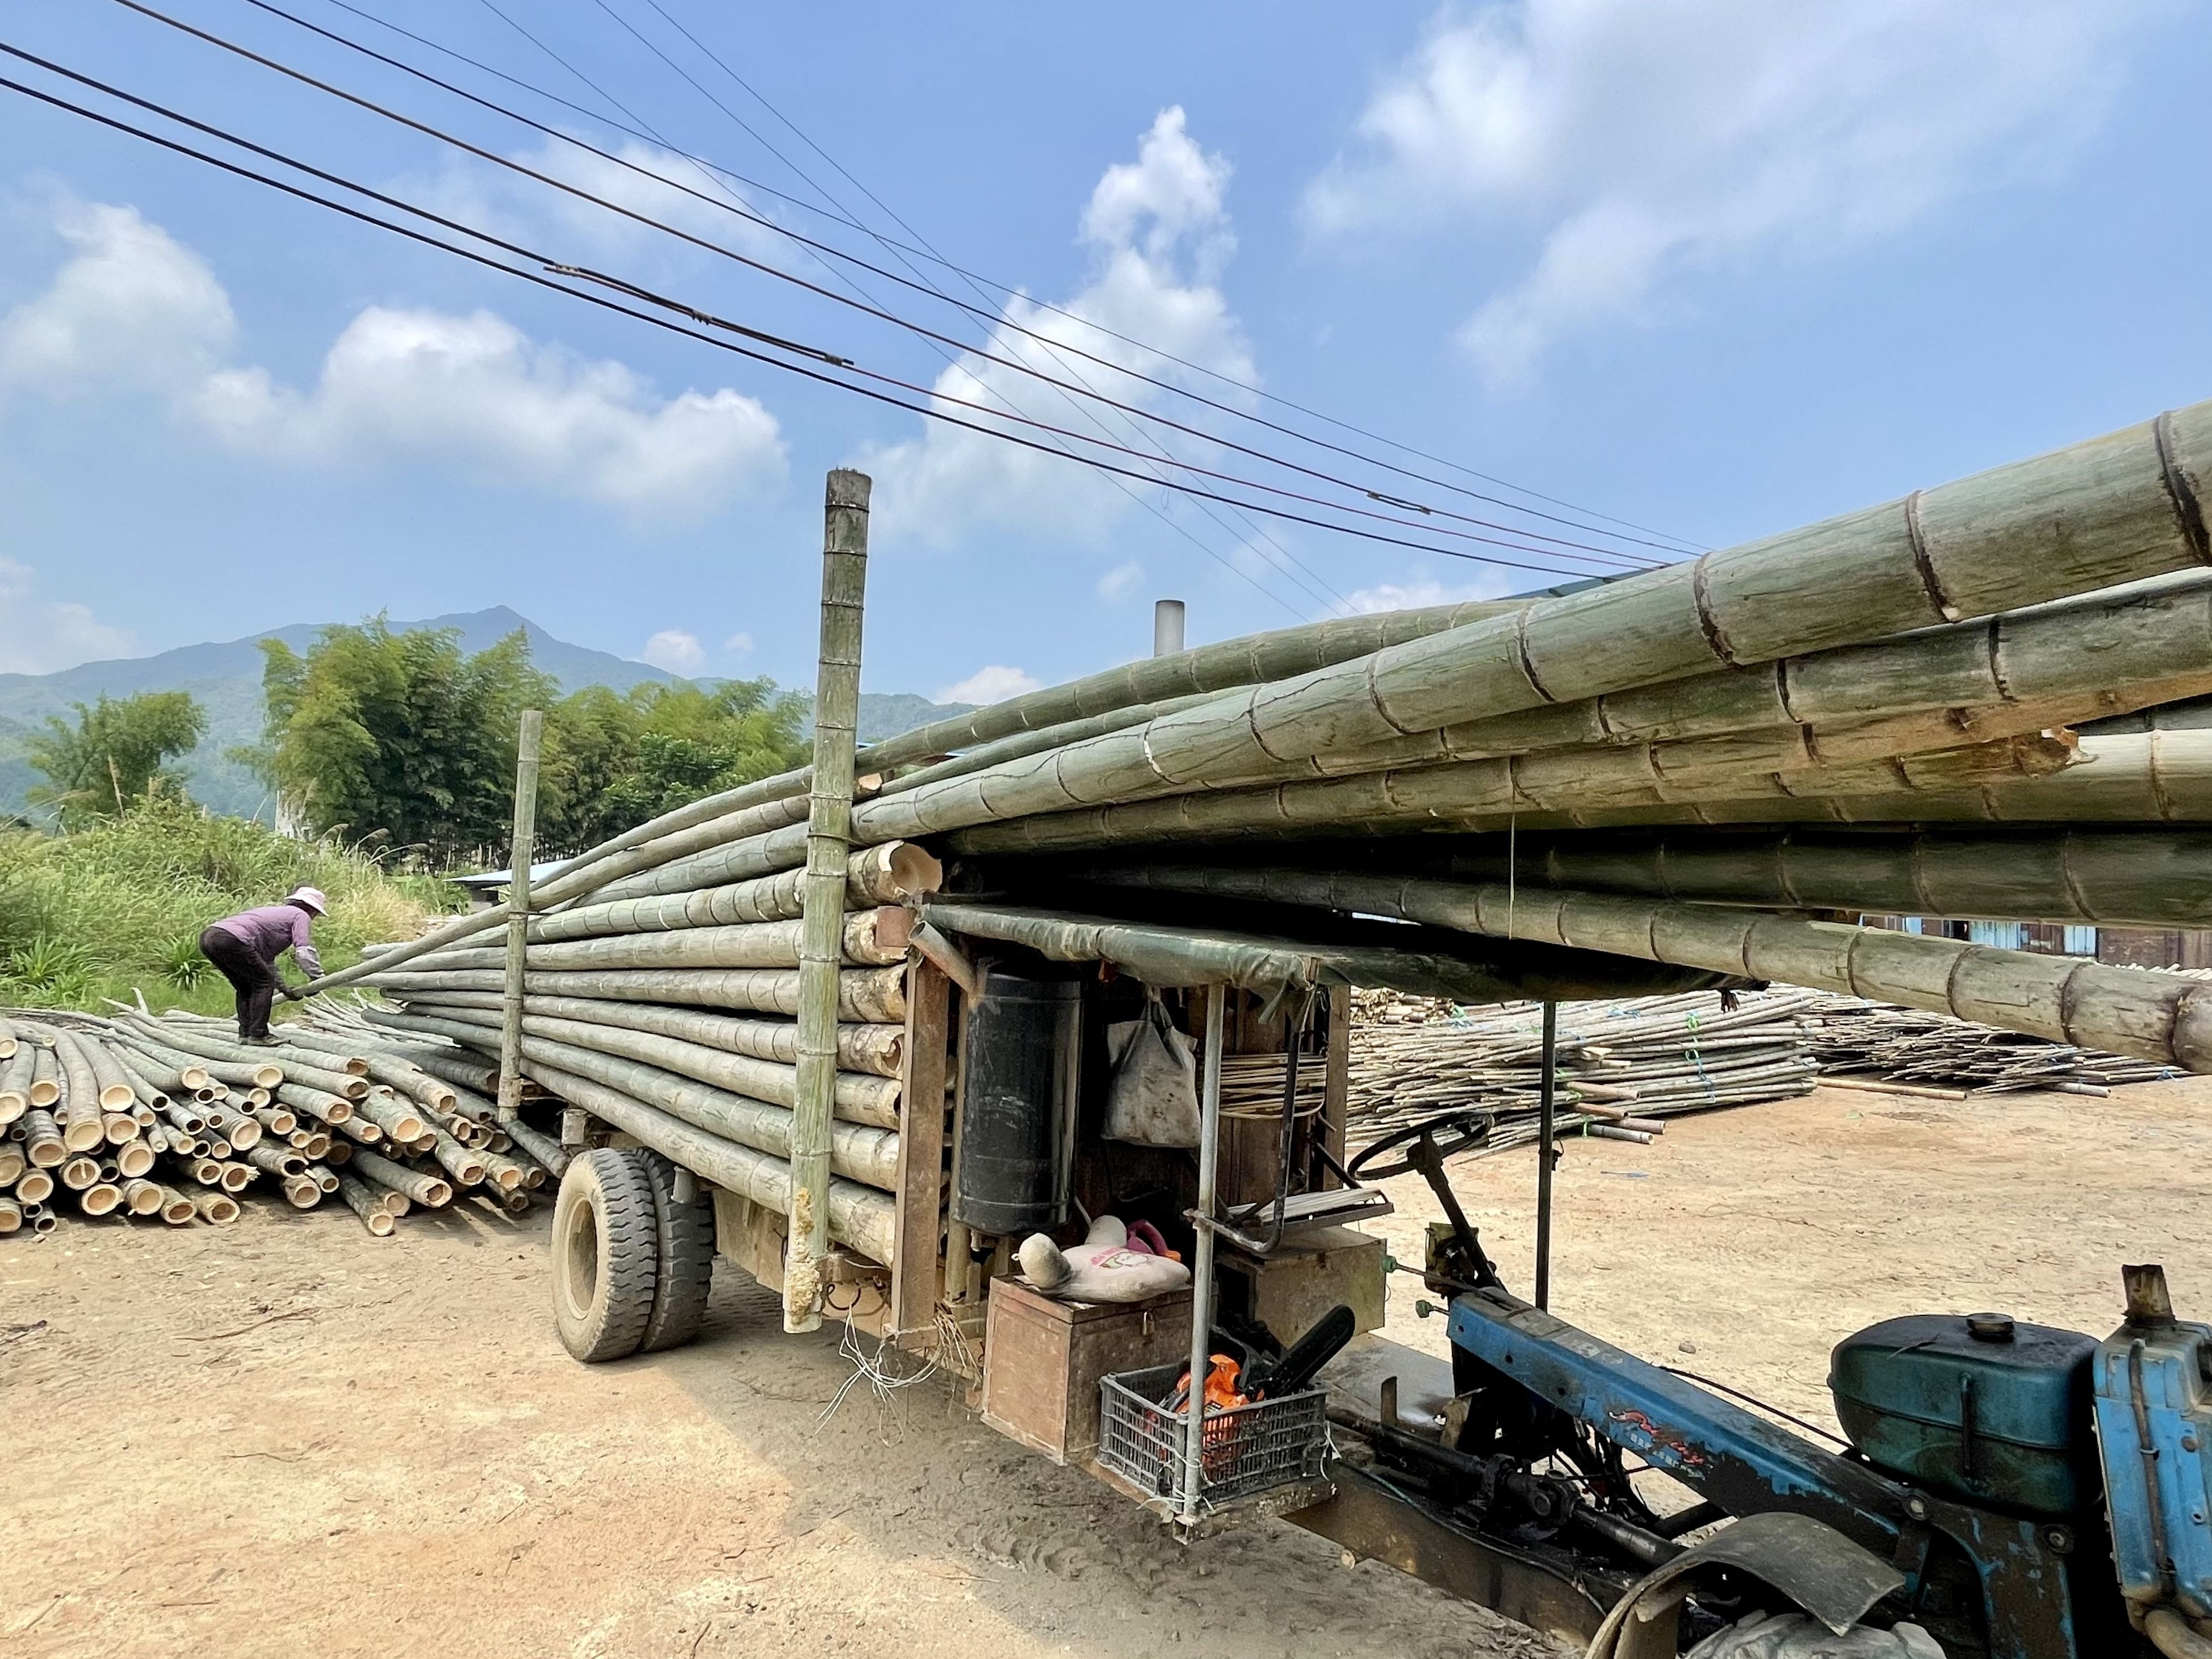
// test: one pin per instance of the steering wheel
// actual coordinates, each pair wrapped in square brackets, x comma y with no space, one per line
[1449,1134]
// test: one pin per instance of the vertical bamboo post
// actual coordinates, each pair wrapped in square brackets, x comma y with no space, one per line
[1201,1259]
[821,921]
[521,849]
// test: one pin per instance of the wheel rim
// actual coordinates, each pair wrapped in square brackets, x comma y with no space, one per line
[581,1260]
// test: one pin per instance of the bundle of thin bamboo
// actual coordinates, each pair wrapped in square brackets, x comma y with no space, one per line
[1926,1051]
[108,1109]
[1624,1066]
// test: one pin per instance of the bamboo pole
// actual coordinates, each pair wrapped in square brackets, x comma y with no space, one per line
[217,1208]
[874,995]
[2125,1011]
[873,1049]
[859,1216]
[2128,877]
[521,848]
[874,937]
[428,1190]
[81,1126]
[828,837]
[361,1200]
[45,1078]
[15,1078]
[43,1141]
[887,874]
[176,1209]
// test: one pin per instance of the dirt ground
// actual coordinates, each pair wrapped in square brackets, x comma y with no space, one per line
[289,1437]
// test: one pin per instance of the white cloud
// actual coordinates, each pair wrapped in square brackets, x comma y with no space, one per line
[677,652]
[38,636]
[131,310]
[521,209]
[742,644]
[992,684]
[1418,593]
[1644,143]
[1159,237]
[475,394]
[1121,581]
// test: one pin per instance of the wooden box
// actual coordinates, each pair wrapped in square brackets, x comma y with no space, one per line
[1042,1360]
[1309,1273]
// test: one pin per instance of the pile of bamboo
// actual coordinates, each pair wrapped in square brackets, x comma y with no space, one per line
[674,1019]
[1928,1053]
[1623,1065]
[1928,660]
[169,1118]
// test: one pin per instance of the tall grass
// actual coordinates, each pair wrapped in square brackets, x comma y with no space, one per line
[103,910]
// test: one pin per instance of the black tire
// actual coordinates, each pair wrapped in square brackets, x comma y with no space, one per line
[685,1253]
[606,1256]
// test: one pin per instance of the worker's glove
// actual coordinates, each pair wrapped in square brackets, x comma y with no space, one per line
[287,992]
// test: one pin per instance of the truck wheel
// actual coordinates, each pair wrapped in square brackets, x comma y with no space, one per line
[605,1256]
[684,1237]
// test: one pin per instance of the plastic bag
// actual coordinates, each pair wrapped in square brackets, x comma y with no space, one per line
[1152,1100]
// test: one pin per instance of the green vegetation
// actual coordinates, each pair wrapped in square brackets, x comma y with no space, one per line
[117,753]
[405,742]
[615,760]
[119,903]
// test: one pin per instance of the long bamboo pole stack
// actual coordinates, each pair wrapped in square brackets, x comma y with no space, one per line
[173,1120]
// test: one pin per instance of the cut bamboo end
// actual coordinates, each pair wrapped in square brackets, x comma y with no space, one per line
[45,1093]
[236,1177]
[43,1223]
[267,1076]
[42,1138]
[302,1194]
[134,1158]
[102,1198]
[176,1208]
[517,1203]
[79,1172]
[117,1128]
[216,1208]
[82,1132]
[142,1197]
[117,1098]
[14,1103]
[34,1187]
[13,1162]
[242,1132]
[11,1216]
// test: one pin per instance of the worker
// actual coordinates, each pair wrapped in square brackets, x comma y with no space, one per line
[245,947]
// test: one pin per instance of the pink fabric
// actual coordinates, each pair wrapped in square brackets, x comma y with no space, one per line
[273,929]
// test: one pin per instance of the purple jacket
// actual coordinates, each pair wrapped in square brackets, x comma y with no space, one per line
[274,929]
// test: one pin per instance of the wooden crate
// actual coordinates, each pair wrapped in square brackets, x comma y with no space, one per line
[1309,1273]
[1042,1360]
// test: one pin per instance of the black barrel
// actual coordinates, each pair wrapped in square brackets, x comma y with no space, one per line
[1016,1157]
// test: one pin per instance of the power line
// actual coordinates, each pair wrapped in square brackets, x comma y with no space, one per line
[838,276]
[1304,574]
[799,369]
[1576,550]
[997,319]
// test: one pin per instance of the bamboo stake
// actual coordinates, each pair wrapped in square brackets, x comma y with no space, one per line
[522,847]
[823,931]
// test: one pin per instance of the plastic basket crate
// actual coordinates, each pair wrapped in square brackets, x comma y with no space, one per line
[1247,1449]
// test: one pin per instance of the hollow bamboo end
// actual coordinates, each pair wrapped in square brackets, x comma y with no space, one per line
[117,1098]
[236,1177]
[45,1092]
[11,1216]
[378,1222]
[34,1187]
[215,1208]
[100,1198]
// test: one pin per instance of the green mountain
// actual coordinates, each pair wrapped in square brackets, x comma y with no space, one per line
[226,678]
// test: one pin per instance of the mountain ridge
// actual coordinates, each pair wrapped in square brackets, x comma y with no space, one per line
[225,676]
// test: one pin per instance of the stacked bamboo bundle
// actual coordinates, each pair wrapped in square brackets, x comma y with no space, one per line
[1922,660]
[1929,1054]
[137,1116]
[1623,1065]
[674,1019]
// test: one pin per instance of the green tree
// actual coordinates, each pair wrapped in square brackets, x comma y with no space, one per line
[116,752]
[613,761]
[400,737]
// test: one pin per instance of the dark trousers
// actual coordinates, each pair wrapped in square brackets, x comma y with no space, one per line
[254,978]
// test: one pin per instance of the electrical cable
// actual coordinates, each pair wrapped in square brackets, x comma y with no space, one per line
[951,360]
[1545,552]
[1287,562]
[996,317]
[726,345]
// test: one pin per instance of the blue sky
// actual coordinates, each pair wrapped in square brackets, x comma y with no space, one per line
[1715,267]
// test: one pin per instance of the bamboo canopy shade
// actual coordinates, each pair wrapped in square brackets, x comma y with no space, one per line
[2143,877]
[2125,1011]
